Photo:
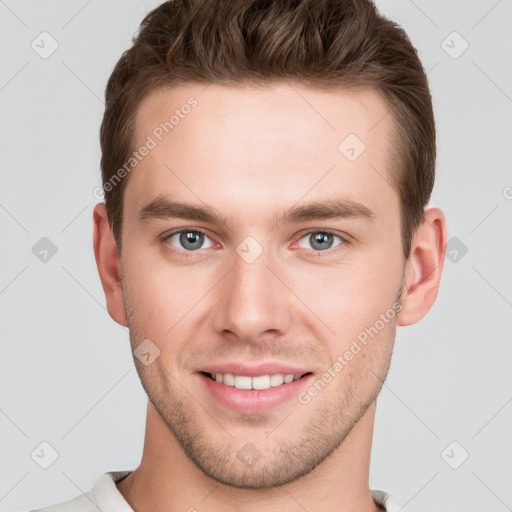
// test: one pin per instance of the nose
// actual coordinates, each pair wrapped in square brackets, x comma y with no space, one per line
[251,301]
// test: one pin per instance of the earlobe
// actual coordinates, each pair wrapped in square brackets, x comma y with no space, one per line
[109,264]
[424,268]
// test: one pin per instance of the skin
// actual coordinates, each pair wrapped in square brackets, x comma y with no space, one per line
[248,152]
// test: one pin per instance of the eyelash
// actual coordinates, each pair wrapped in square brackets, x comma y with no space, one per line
[165,238]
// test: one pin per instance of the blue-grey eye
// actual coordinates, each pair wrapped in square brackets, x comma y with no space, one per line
[319,240]
[190,240]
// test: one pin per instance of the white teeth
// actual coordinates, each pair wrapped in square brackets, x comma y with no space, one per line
[229,379]
[277,379]
[259,382]
[243,382]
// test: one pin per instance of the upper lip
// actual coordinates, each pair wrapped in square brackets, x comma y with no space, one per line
[243,368]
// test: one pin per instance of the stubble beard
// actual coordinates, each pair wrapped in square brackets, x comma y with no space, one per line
[281,461]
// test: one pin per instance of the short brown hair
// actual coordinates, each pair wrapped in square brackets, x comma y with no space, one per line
[319,43]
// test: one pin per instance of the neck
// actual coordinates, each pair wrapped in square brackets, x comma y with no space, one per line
[166,480]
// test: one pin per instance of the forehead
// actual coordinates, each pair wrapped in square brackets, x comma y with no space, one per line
[266,146]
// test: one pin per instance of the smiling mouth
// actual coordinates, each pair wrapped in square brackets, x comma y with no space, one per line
[258,382]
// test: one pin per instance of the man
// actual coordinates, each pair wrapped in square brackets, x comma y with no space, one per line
[266,168]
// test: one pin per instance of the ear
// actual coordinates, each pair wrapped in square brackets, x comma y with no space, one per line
[423,268]
[109,264]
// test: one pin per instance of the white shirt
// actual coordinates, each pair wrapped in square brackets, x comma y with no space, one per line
[106,497]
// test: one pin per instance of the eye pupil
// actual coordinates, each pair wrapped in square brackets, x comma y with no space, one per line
[191,237]
[193,240]
[321,238]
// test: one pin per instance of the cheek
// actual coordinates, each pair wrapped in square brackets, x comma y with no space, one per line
[353,296]
[159,287]
[163,299]
[348,295]
[152,296]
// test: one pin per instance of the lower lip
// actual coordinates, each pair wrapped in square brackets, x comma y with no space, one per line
[253,401]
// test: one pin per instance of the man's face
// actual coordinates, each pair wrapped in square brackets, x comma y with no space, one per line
[250,292]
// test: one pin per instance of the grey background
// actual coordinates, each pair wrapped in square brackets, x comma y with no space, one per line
[67,374]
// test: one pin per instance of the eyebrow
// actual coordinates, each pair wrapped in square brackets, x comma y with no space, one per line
[163,208]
